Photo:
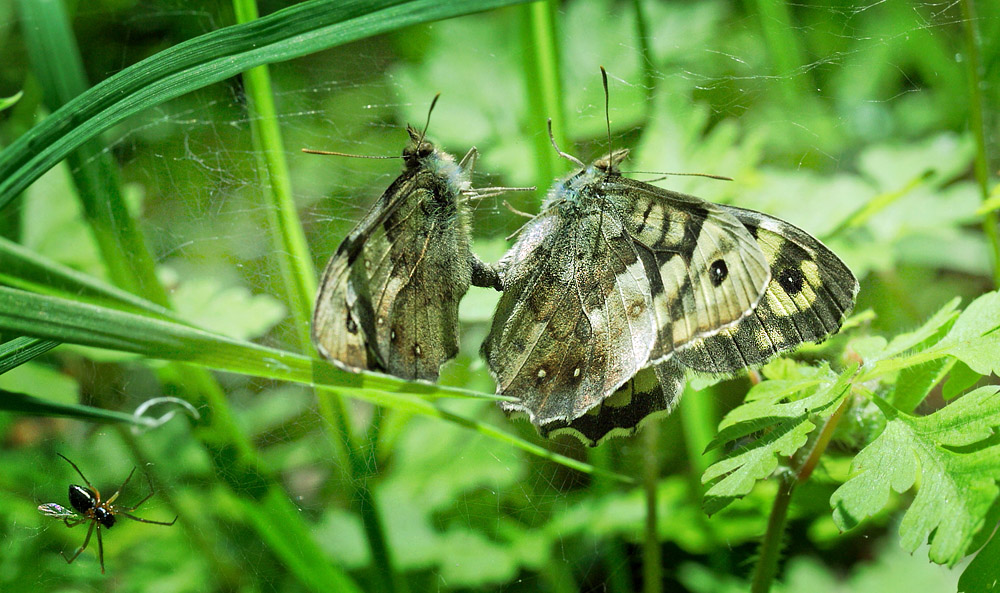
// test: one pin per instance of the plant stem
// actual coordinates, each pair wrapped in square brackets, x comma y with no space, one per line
[299,276]
[652,555]
[543,83]
[974,70]
[770,547]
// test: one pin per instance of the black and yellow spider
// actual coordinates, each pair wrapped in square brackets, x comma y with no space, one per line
[100,513]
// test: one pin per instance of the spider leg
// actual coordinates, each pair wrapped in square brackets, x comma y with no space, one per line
[75,522]
[148,496]
[134,518]
[89,485]
[120,488]
[86,541]
[100,547]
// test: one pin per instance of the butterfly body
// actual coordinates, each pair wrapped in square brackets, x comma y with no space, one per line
[617,286]
[389,296]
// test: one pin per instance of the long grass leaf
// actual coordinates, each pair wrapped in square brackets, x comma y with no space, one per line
[18,351]
[79,323]
[295,31]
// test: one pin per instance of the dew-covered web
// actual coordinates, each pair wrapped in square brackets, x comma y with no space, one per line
[812,112]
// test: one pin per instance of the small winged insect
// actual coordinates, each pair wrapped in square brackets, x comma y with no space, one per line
[88,507]
[388,299]
[618,286]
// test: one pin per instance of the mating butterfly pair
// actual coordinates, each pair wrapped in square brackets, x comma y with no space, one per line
[609,294]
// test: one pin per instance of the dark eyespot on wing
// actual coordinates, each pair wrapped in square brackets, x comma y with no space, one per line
[718,272]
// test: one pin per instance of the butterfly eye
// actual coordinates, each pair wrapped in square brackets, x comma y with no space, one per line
[718,272]
[425,149]
[791,280]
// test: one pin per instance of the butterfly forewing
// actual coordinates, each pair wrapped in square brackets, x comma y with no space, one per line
[389,296]
[810,293]
[705,270]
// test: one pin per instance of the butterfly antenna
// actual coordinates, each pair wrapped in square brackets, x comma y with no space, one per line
[663,175]
[353,156]
[568,157]
[607,115]
[427,124]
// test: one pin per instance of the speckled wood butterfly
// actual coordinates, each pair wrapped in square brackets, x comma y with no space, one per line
[389,296]
[617,286]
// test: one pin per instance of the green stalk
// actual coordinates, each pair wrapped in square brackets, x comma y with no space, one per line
[974,75]
[770,548]
[543,81]
[286,231]
[268,507]
[783,48]
[652,554]
[47,34]
[196,526]
[645,57]
[699,415]
[615,559]
[299,276]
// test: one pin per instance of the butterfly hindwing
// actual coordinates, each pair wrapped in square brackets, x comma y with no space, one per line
[705,270]
[653,391]
[573,323]
[389,296]
[810,293]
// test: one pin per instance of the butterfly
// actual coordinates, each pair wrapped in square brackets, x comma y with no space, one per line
[617,287]
[388,299]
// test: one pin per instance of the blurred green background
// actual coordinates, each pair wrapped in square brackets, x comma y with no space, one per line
[856,122]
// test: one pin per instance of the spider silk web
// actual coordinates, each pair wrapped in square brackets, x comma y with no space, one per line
[811,118]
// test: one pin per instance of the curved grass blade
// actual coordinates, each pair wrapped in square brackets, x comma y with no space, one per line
[295,31]
[79,323]
[21,403]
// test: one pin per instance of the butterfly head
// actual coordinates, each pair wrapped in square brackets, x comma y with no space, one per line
[418,148]
[608,164]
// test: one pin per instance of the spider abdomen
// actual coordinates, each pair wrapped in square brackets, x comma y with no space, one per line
[82,499]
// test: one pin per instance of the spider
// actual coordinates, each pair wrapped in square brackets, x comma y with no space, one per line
[102,513]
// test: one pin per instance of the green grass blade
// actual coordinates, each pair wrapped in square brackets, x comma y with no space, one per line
[18,351]
[289,33]
[22,268]
[27,404]
[8,102]
[543,81]
[299,280]
[79,323]
[47,33]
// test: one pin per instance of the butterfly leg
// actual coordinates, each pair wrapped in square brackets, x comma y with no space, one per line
[484,274]
[468,162]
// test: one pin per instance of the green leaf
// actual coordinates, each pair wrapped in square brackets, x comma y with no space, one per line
[960,378]
[229,310]
[956,487]
[775,401]
[982,575]
[789,426]
[975,339]
[925,332]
